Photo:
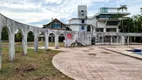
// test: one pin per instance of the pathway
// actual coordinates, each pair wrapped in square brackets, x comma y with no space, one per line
[96,63]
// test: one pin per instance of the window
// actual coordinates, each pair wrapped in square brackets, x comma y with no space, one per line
[88,28]
[82,21]
[112,23]
[56,25]
[104,10]
[104,16]
[82,28]
[82,10]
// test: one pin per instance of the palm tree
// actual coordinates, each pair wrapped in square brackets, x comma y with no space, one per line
[122,7]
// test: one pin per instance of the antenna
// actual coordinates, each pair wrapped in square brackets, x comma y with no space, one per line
[81,2]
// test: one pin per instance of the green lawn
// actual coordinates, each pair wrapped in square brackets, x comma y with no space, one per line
[34,66]
[51,44]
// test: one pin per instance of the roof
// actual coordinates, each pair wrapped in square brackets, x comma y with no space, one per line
[53,21]
[110,7]
[99,13]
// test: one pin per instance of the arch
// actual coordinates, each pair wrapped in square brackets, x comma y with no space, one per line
[4,42]
[61,37]
[61,40]
[18,42]
[51,37]
[18,35]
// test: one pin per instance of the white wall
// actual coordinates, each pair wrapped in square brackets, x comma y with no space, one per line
[101,24]
[92,21]
[75,27]
[112,26]
[74,21]
[112,10]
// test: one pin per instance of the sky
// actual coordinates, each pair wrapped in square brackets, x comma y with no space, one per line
[40,12]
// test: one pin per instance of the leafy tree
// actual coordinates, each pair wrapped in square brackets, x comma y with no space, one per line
[18,36]
[127,26]
[133,24]
[137,19]
[116,16]
[4,33]
[30,37]
[122,7]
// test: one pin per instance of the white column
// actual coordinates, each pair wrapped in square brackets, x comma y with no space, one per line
[128,40]
[56,41]
[0,52]
[102,38]
[46,40]
[104,29]
[117,30]
[24,43]
[122,40]
[36,42]
[11,46]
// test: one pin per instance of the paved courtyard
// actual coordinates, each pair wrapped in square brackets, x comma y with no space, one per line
[97,63]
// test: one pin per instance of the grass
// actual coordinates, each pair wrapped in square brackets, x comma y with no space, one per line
[51,44]
[34,66]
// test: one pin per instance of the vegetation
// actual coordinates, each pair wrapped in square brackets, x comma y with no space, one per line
[133,25]
[18,35]
[30,37]
[122,7]
[34,66]
[4,34]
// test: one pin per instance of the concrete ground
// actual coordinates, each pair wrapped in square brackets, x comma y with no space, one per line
[98,63]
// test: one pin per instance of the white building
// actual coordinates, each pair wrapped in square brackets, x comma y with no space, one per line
[107,20]
[103,21]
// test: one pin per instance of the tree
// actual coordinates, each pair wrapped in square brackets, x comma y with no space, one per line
[5,34]
[127,25]
[18,36]
[137,19]
[30,37]
[122,7]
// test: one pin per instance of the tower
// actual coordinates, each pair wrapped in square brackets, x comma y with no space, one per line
[82,11]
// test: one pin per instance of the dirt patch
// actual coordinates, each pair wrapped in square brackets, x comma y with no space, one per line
[27,68]
[91,48]
[106,52]
[118,62]
[42,78]
[92,54]
[85,50]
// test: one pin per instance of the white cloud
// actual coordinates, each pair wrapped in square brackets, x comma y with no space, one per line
[53,1]
[29,11]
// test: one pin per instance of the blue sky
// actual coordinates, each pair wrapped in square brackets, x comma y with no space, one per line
[39,12]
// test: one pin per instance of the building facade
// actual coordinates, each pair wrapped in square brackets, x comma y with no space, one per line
[104,25]
[55,24]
